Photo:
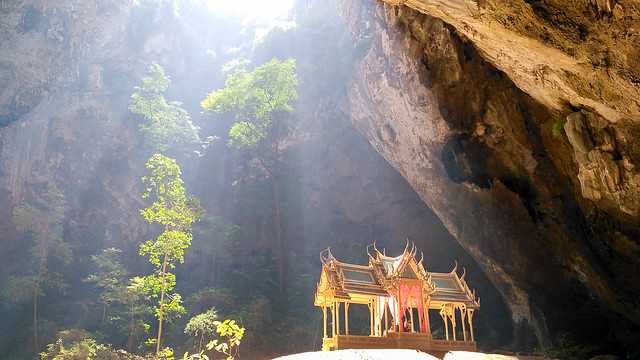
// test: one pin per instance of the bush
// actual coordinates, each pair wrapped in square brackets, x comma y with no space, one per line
[77,344]
[557,128]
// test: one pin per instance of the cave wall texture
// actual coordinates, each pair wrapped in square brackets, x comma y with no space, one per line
[461,98]
[68,68]
[424,119]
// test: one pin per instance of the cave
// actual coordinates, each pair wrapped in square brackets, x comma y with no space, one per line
[449,127]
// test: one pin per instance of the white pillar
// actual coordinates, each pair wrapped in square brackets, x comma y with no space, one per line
[337,318]
[463,310]
[470,319]
[346,318]
[324,321]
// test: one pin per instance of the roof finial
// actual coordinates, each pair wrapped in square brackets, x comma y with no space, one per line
[325,255]
[421,257]
[406,246]
[464,273]
[455,267]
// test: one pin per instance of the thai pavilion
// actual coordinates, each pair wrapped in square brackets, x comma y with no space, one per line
[399,294]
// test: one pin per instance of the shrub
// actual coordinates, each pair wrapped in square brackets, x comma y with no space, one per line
[557,127]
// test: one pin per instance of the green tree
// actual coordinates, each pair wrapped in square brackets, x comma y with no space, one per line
[202,326]
[261,101]
[126,300]
[175,212]
[42,219]
[214,239]
[110,277]
[137,296]
[230,335]
[166,126]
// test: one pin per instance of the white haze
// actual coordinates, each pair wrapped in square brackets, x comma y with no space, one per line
[253,9]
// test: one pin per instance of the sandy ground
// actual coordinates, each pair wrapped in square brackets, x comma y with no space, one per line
[395,354]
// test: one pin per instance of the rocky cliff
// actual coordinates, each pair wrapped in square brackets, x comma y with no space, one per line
[68,69]
[499,135]
[468,101]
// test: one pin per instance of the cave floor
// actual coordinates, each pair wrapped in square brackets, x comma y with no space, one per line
[386,354]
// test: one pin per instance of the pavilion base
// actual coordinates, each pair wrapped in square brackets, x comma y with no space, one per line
[415,341]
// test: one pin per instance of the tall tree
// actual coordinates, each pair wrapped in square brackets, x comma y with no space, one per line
[261,101]
[110,277]
[175,212]
[41,218]
[166,125]
[125,300]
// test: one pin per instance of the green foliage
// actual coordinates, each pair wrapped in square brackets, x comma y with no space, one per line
[171,206]
[222,299]
[126,302]
[42,220]
[175,212]
[137,309]
[557,127]
[167,125]
[84,349]
[231,335]
[164,354]
[260,101]
[202,326]
[110,276]
[153,286]
[255,98]
[246,134]
[80,345]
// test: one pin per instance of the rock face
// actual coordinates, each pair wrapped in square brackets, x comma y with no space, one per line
[555,51]
[58,123]
[581,55]
[460,97]
[67,69]
[464,107]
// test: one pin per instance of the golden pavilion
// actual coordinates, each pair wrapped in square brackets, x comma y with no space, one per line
[401,296]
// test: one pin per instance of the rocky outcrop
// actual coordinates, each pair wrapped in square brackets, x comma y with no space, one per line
[606,173]
[555,51]
[581,55]
[70,67]
[58,124]
[452,104]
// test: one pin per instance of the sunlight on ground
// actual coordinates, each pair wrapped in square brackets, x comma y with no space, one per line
[385,354]
[382,354]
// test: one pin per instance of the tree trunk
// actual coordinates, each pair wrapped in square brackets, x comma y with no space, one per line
[36,343]
[131,330]
[275,183]
[161,312]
